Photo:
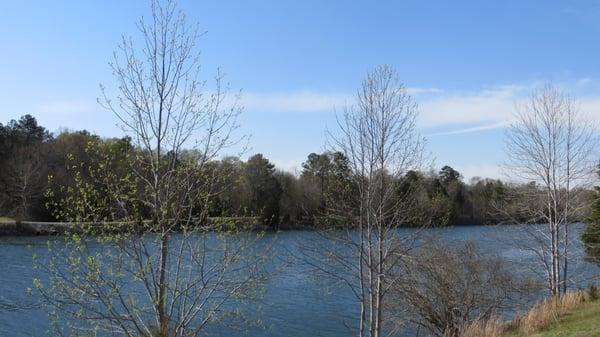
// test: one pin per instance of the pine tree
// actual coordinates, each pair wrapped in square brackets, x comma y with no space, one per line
[591,234]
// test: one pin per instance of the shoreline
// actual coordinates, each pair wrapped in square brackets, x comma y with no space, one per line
[47,228]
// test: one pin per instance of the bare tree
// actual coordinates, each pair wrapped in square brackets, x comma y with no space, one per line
[24,179]
[447,286]
[378,138]
[550,145]
[156,267]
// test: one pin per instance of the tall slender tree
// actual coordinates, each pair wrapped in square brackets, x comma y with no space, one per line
[551,145]
[379,140]
[146,262]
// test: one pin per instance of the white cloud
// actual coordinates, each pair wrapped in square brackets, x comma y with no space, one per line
[451,111]
[307,101]
[301,101]
[484,127]
[481,170]
[590,107]
[291,165]
[418,91]
[67,107]
[490,106]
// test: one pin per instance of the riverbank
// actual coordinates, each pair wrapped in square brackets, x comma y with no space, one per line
[583,322]
[573,314]
[11,227]
[26,228]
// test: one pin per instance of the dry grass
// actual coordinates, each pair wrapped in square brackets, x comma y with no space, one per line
[547,312]
[540,317]
[493,327]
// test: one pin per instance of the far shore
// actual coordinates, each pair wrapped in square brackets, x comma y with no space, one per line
[11,227]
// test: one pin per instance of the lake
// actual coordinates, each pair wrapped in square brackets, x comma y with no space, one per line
[295,303]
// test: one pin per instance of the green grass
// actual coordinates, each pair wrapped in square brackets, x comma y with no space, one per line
[5,219]
[583,322]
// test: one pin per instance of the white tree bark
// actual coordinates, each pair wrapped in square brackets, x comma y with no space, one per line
[551,144]
[378,137]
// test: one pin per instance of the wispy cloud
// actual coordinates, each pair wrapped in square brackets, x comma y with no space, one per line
[590,106]
[437,107]
[67,107]
[494,108]
[486,107]
[484,170]
[446,111]
[485,127]
[301,101]
[308,101]
[291,165]
[420,91]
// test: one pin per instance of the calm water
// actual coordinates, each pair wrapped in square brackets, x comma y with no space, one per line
[296,303]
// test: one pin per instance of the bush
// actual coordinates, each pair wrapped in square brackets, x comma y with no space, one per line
[446,288]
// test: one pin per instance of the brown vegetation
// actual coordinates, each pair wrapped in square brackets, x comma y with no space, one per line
[538,318]
[493,327]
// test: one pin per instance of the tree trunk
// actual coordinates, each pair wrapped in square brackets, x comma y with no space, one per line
[163,319]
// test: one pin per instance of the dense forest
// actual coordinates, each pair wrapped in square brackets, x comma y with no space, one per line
[38,165]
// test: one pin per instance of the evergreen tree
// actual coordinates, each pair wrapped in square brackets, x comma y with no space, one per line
[265,189]
[591,234]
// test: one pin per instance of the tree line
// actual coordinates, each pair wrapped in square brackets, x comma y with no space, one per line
[36,161]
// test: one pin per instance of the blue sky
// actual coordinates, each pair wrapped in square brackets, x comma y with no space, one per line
[466,62]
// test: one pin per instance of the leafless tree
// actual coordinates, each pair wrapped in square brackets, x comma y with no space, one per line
[446,286]
[163,271]
[24,179]
[378,137]
[550,145]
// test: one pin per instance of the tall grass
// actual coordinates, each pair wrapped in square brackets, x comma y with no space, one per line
[540,317]
[547,312]
[493,327]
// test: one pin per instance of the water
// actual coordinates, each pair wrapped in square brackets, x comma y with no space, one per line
[296,302]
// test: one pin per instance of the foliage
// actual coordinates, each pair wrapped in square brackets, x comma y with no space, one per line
[591,234]
[23,146]
[265,189]
[248,188]
[142,258]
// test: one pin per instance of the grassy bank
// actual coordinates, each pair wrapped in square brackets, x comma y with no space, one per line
[573,314]
[581,322]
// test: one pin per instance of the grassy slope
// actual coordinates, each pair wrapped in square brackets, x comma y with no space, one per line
[584,322]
